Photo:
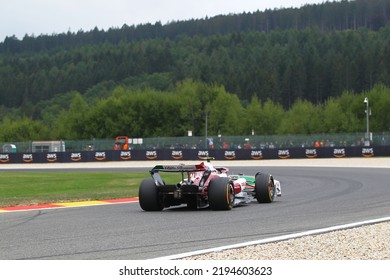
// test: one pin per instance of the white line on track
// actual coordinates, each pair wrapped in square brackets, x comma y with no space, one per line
[274,239]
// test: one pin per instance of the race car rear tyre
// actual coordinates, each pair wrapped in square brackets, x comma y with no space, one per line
[264,188]
[221,194]
[148,196]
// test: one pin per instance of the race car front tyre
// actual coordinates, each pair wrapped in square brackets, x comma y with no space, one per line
[148,196]
[264,188]
[221,194]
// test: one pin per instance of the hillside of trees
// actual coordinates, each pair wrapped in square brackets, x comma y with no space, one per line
[263,70]
[328,16]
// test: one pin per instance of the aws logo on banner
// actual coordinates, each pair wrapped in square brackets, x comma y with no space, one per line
[100,156]
[75,156]
[311,153]
[4,158]
[125,155]
[203,154]
[368,152]
[256,154]
[51,157]
[230,155]
[27,157]
[177,154]
[151,154]
[283,153]
[339,153]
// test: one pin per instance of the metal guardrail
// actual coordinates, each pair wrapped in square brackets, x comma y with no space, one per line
[214,142]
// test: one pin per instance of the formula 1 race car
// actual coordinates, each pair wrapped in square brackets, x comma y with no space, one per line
[204,185]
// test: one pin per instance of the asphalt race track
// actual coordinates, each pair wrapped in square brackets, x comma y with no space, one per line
[313,197]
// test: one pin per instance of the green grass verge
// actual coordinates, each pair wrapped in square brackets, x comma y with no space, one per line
[29,188]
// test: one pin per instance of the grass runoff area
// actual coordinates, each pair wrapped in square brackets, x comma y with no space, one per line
[31,188]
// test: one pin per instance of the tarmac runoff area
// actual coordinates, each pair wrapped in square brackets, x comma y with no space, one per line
[367,240]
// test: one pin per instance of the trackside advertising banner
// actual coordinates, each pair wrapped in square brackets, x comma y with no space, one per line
[195,154]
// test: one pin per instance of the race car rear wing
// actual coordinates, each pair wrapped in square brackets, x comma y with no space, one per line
[178,168]
[206,169]
[182,168]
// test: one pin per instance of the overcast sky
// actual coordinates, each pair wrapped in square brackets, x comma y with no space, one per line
[36,17]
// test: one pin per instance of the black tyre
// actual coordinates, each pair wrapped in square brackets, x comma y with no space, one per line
[192,202]
[149,199]
[264,188]
[221,194]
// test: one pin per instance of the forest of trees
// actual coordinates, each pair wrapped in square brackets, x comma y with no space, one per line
[152,113]
[279,71]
